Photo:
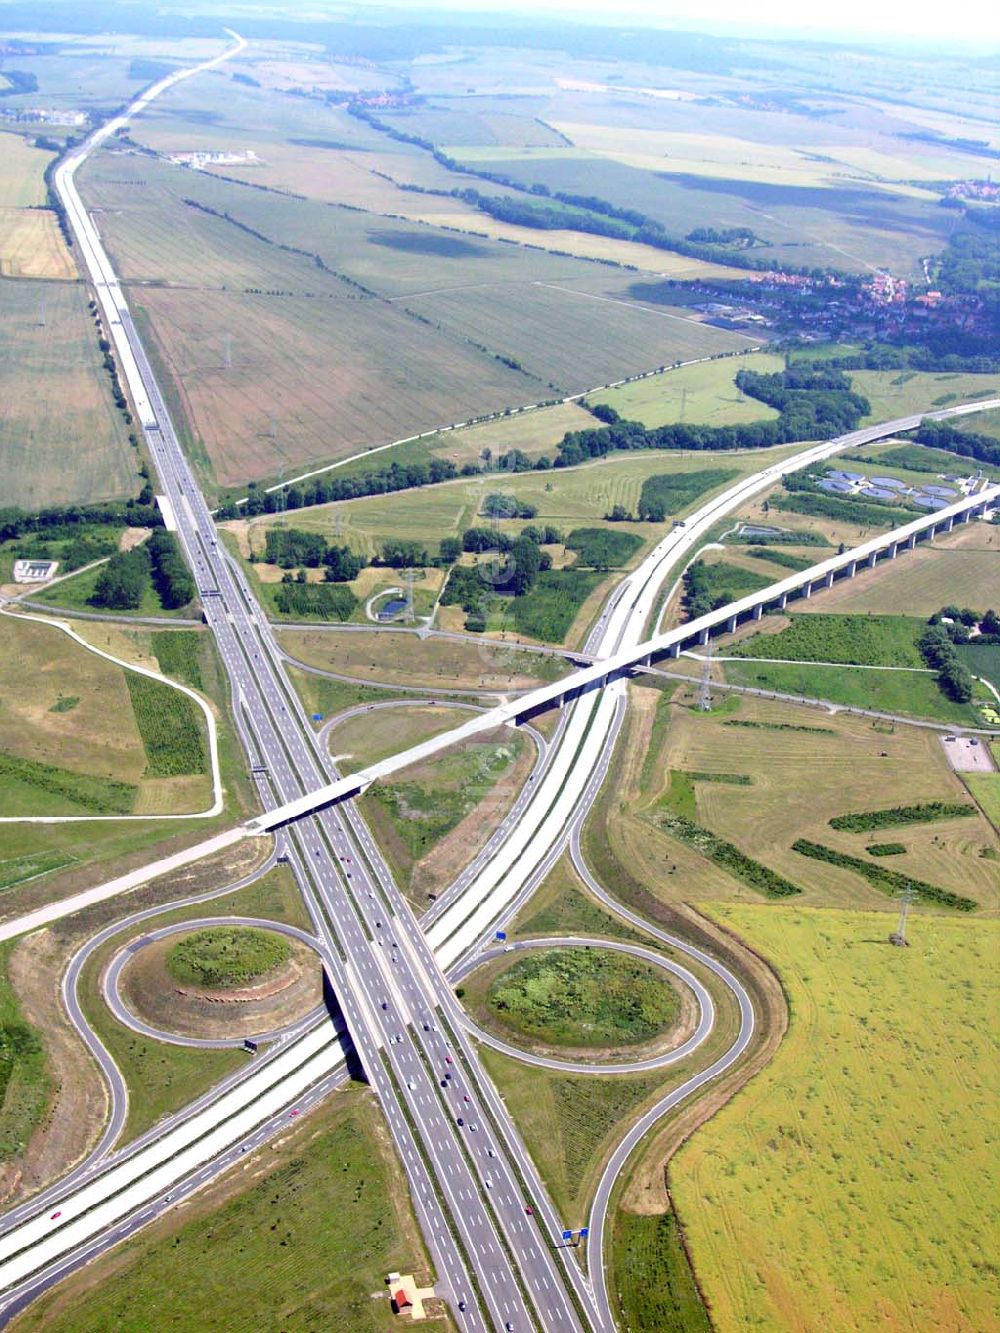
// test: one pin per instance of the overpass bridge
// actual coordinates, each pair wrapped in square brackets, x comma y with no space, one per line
[670,643]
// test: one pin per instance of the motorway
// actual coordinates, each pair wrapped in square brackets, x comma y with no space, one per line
[467,1190]
[468,1181]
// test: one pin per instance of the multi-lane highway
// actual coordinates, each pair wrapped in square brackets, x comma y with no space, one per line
[468,1173]
[495,1262]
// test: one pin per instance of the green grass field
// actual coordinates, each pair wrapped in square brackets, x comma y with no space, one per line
[567,498]
[853,640]
[226,956]
[848,1187]
[908,694]
[300,1238]
[704,394]
[582,997]
[48,338]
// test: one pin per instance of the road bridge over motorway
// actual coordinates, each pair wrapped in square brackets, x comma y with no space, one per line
[886,546]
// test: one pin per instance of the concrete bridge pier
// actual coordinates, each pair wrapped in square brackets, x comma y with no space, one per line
[783,601]
[893,550]
[703,637]
[828,578]
[758,611]
[807,590]
[852,569]
[872,559]
[911,541]
[730,624]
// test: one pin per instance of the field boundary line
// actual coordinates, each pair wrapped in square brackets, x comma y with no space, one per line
[217,805]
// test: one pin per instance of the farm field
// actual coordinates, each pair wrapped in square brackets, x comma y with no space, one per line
[571,340]
[57,402]
[232,1258]
[277,321]
[804,767]
[310,382]
[704,394]
[22,167]
[31,246]
[794,1203]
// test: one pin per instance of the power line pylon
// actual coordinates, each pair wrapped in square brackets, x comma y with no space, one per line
[704,701]
[898,936]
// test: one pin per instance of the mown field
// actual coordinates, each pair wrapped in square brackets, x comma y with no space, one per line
[798,768]
[703,394]
[904,694]
[80,735]
[398,659]
[918,583]
[32,246]
[849,1186]
[898,394]
[61,438]
[302,1235]
[563,497]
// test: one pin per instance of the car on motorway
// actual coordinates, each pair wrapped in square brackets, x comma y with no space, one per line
[294,1111]
[57,1213]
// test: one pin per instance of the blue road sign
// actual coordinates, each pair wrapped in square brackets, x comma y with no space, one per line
[567,1235]
[501,934]
[584,1231]
[317,717]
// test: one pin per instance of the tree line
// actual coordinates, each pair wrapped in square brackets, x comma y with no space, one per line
[123,581]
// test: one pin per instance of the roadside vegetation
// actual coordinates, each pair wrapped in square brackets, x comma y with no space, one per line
[170,725]
[226,956]
[24,1071]
[582,997]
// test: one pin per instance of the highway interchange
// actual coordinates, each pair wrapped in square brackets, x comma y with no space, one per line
[468,1171]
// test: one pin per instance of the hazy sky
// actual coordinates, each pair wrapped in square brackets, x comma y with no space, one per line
[972,21]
